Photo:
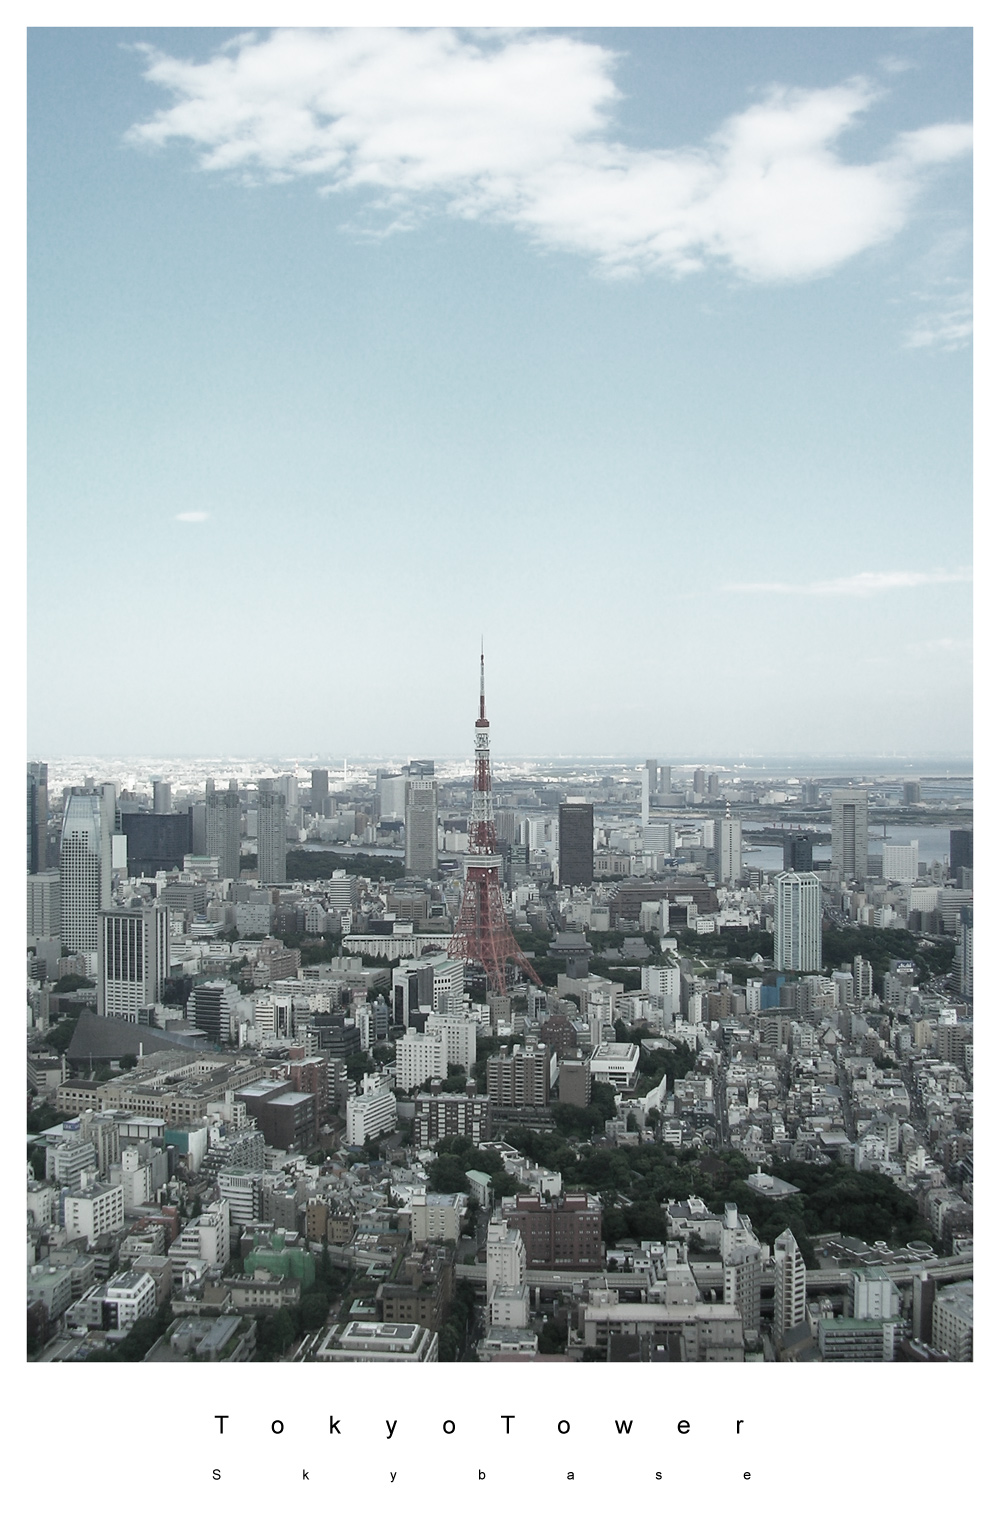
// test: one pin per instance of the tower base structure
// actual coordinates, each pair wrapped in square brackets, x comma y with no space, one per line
[482,932]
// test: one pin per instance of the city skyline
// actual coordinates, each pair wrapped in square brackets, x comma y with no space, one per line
[459,376]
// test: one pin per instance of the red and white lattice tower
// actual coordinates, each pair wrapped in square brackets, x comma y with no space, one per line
[482,931]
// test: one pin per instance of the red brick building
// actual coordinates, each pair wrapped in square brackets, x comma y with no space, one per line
[563,1233]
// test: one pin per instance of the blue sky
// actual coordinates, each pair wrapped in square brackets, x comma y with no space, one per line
[645,353]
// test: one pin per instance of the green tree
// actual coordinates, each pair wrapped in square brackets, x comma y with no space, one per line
[275,1334]
[554,1335]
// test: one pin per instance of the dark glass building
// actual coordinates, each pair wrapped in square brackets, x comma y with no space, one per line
[576,844]
[960,851]
[156,842]
[798,856]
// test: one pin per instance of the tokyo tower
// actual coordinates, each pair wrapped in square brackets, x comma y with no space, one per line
[482,932]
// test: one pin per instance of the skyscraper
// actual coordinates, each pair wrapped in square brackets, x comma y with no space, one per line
[43,905]
[798,853]
[156,842]
[38,816]
[134,960]
[728,849]
[320,790]
[161,796]
[576,842]
[222,827]
[963,953]
[420,812]
[849,827]
[85,866]
[271,834]
[798,922]
[960,851]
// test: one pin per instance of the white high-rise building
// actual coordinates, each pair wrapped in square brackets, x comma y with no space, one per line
[420,1057]
[85,866]
[849,834]
[370,1115]
[95,1209]
[663,980]
[272,834]
[728,849]
[798,922]
[741,1266]
[900,864]
[459,1034]
[506,1264]
[222,827]
[133,960]
[789,1284]
[864,979]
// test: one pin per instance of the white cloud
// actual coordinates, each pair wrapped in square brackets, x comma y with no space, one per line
[867,583]
[191,516]
[516,127]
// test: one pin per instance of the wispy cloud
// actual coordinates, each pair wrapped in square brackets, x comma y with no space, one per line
[867,583]
[948,328]
[517,128]
[940,647]
[191,516]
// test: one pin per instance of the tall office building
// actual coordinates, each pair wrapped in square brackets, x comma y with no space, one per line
[700,783]
[576,843]
[849,827]
[161,796]
[38,816]
[85,866]
[789,1284]
[133,961]
[728,849]
[222,827]
[963,953]
[43,905]
[420,813]
[649,787]
[156,842]
[210,1009]
[271,834]
[798,853]
[960,851]
[319,790]
[798,922]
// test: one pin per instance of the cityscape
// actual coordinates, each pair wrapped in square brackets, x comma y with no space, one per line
[500,806]
[422,1065]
